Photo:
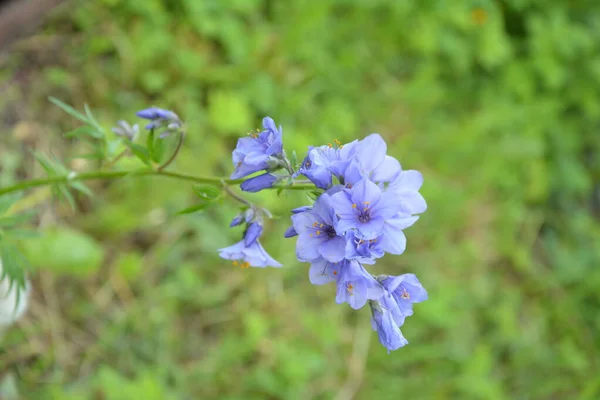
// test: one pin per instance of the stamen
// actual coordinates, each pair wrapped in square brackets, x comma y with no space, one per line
[334,273]
[235,263]
[354,205]
[350,288]
[318,233]
[405,295]
[329,145]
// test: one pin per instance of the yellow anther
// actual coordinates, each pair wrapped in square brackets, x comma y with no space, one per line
[310,234]
[349,287]
[318,232]
[329,145]
[334,272]
[337,142]
[405,295]
[321,225]
[366,202]
[354,205]
[235,263]
[315,224]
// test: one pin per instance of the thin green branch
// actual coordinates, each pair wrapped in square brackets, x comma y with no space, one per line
[111,175]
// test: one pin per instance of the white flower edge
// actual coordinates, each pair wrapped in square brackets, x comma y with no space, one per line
[10,309]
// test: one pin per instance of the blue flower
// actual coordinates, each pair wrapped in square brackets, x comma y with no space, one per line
[160,118]
[405,187]
[322,272]
[364,208]
[258,183]
[365,251]
[258,151]
[387,329]
[355,285]
[370,161]
[248,256]
[248,252]
[317,235]
[324,162]
[405,290]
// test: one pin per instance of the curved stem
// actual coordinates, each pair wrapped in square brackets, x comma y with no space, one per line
[175,152]
[110,175]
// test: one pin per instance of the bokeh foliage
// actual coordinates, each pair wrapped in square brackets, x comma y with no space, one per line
[497,103]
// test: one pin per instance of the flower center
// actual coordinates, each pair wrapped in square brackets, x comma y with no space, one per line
[405,294]
[364,215]
[330,232]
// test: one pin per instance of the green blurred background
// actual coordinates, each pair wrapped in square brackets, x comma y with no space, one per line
[496,102]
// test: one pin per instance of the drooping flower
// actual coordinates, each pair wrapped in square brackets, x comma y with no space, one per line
[248,252]
[258,183]
[355,285]
[317,235]
[365,208]
[405,290]
[387,329]
[259,151]
[248,256]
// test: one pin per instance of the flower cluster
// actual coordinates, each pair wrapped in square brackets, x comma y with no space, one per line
[366,201]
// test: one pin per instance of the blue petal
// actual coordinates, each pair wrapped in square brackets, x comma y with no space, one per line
[320,273]
[387,170]
[370,152]
[252,233]
[367,192]
[290,232]
[334,249]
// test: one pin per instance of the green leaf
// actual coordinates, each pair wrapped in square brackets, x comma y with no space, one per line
[140,152]
[7,201]
[64,191]
[70,110]
[81,187]
[194,208]
[207,192]
[93,121]
[14,264]
[84,130]
[9,221]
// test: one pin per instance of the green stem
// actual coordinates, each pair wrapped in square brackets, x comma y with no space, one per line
[110,175]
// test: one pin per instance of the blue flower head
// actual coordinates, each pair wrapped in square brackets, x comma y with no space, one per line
[259,151]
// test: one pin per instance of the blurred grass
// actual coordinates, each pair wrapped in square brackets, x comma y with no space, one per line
[497,103]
